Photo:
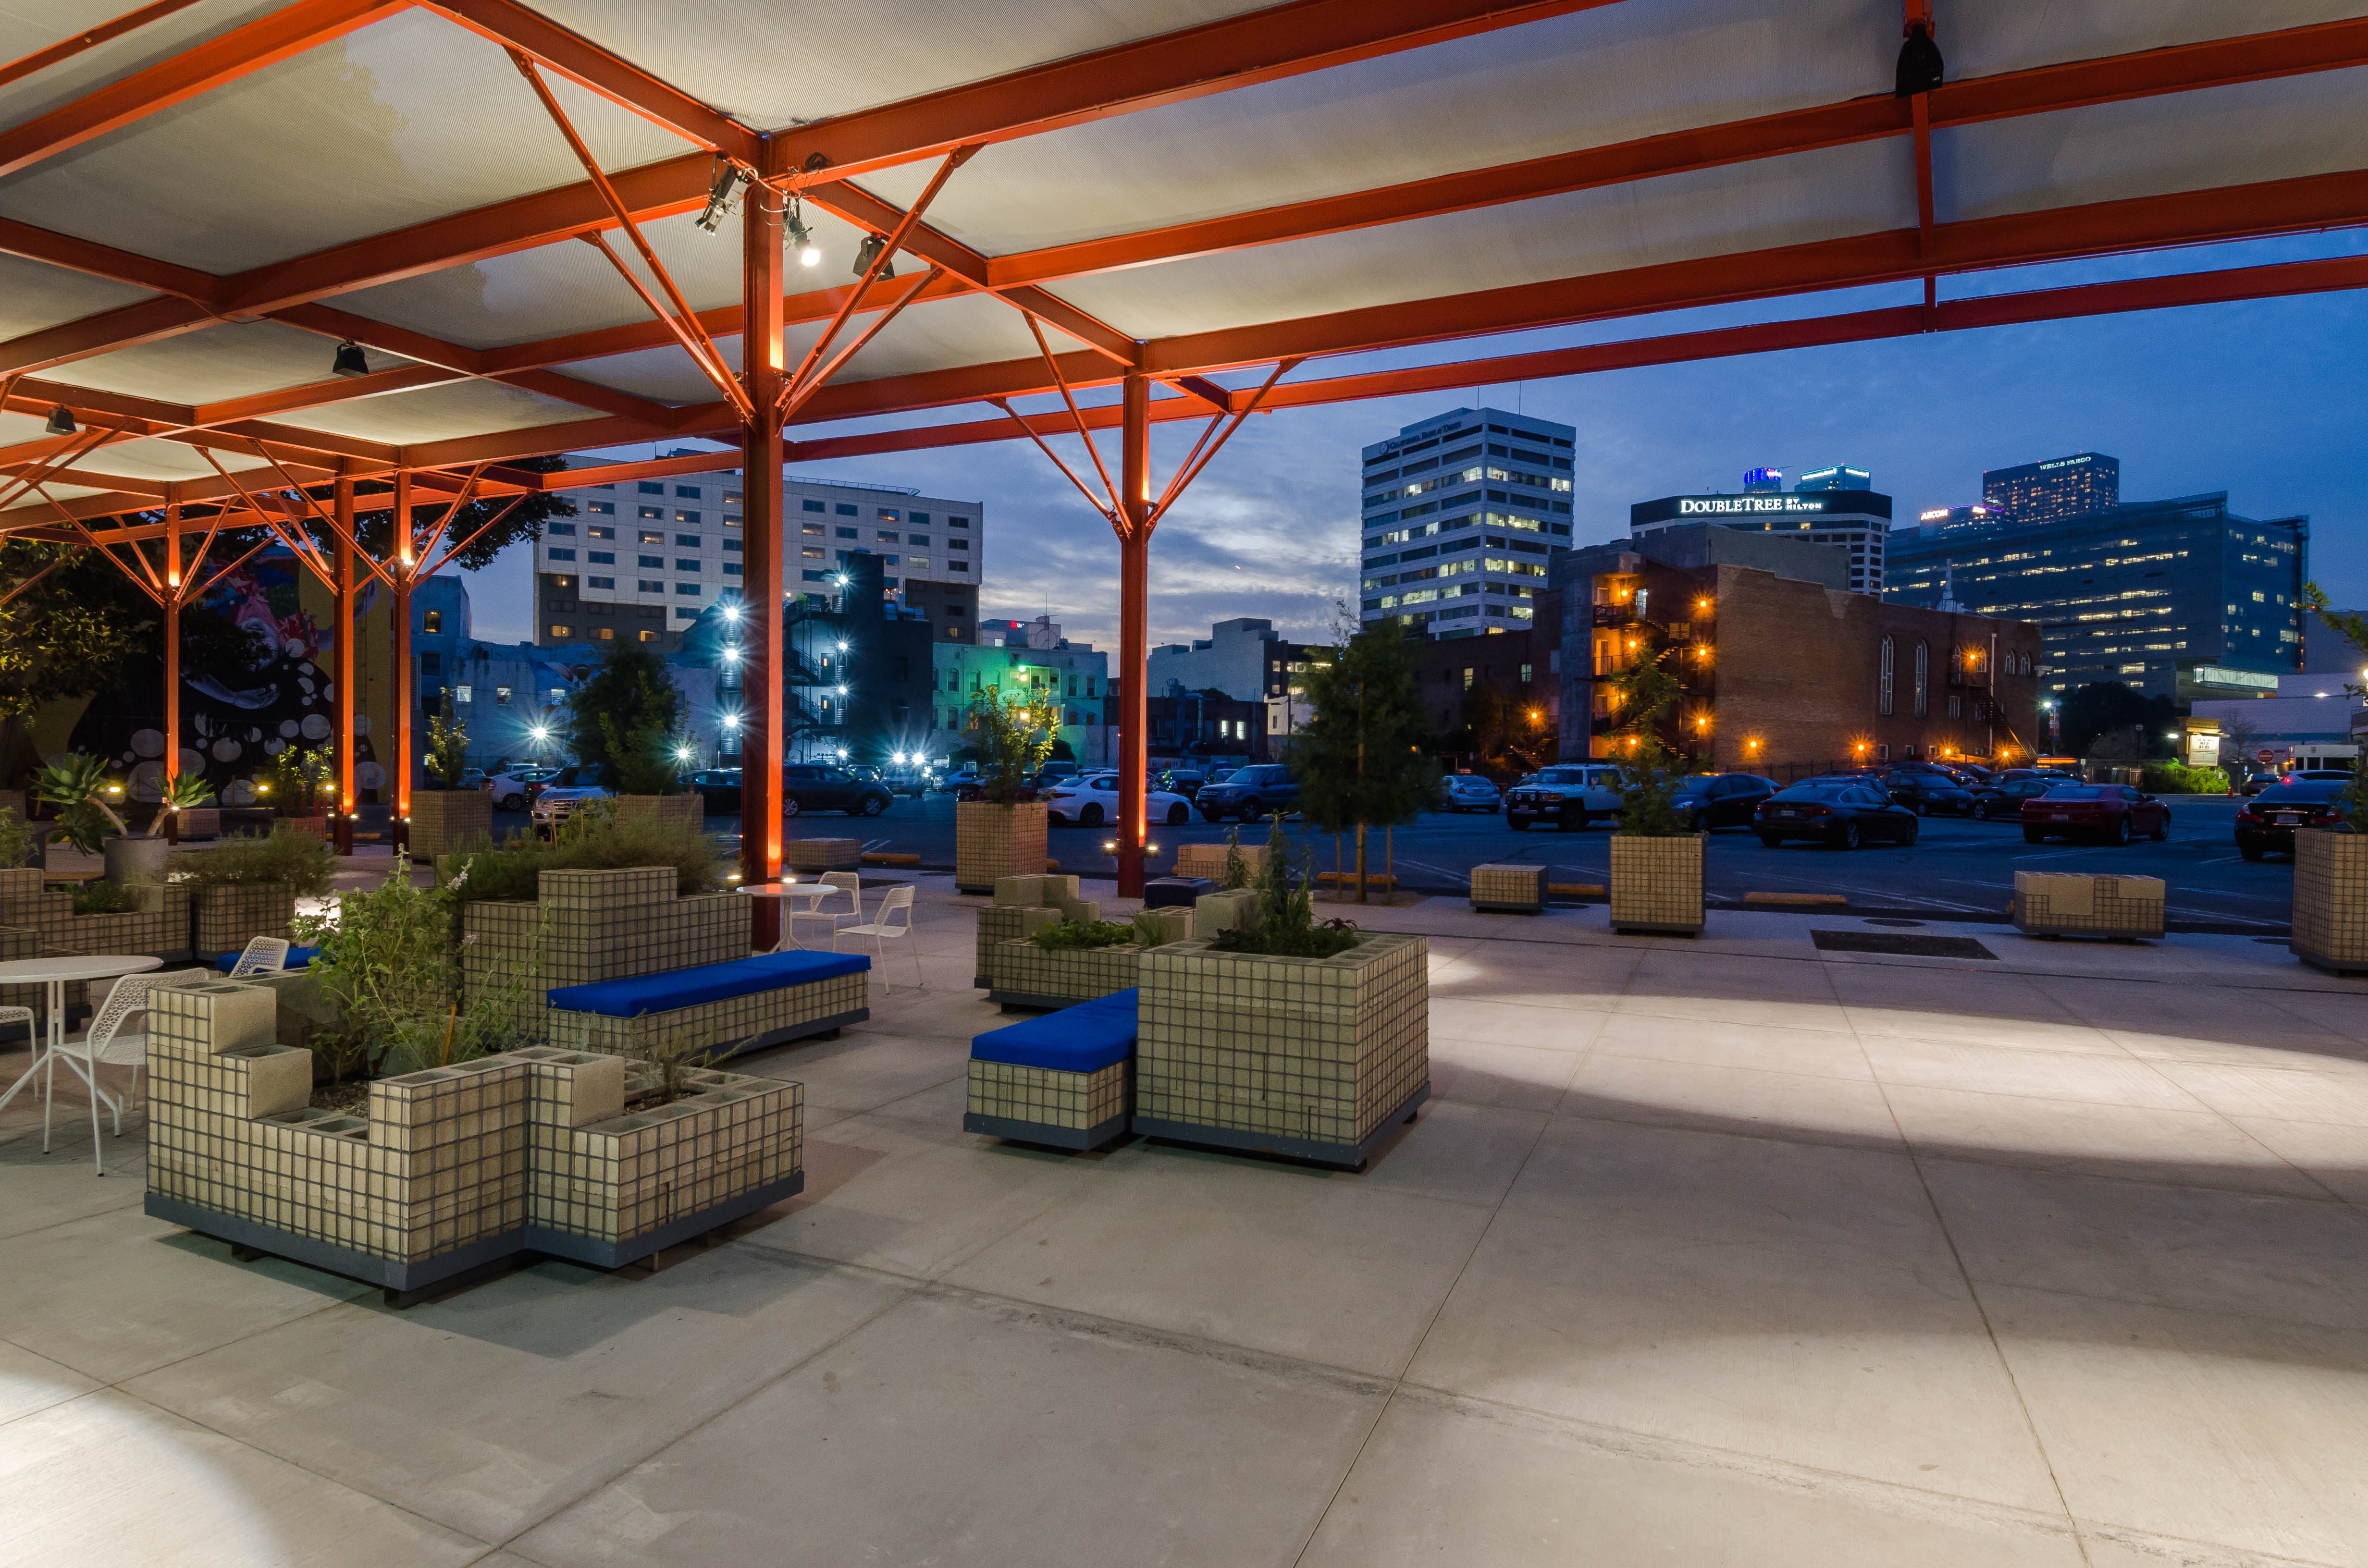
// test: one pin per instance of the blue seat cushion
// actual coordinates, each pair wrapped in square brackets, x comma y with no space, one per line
[297,957]
[1083,1039]
[671,988]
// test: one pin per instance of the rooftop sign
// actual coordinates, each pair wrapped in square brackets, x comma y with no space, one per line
[1845,507]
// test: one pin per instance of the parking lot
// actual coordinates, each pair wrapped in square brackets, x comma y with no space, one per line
[1957,867]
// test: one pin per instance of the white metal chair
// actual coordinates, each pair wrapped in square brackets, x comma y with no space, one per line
[263,955]
[828,907]
[25,1015]
[104,1043]
[882,927]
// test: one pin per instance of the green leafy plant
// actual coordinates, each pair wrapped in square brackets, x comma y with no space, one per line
[1083,934]
[78,786]
[1236,873]
[645,762]
[1286,924]
[447,743]
[591,841]
[184,792]
[1149,929]
[299,780]
[1648,774]
[1360,761]
[308,865]
[99,896]
[671,1059]
[1014,735]
[629,698]
[16,840]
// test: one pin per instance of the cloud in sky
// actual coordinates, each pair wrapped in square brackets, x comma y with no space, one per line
[2259,399]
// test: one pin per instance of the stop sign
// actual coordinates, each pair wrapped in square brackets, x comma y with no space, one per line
[2263,755]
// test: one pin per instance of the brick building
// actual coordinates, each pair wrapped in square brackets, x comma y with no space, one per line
[1523,665]
[1783,669]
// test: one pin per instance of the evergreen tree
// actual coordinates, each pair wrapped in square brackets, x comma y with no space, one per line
[1358,761]
[620,721]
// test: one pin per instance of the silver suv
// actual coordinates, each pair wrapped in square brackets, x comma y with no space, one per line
[1570,795]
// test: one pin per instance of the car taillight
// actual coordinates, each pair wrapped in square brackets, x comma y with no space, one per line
[1819,812]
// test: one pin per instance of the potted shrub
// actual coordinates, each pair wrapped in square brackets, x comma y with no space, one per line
[1655,883]
[182,792]
[1003,834]
[78,786]
[1283,1036]
[444,814]
[247,885]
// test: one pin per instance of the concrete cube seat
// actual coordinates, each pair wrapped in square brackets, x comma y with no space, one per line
[1061,1079]
[751,1002]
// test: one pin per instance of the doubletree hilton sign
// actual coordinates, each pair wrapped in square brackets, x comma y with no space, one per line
[1837,505]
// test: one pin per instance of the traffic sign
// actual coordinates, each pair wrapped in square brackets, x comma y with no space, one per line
[2263,755]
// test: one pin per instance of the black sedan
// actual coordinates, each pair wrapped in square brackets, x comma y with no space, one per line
[1844,812]
[2268,821]
[1712,800]
[719,786]
[2005,800]
[1929,791]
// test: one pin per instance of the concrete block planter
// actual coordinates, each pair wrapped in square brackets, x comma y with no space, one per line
[662,808]
[1044,1104]
[1051,897]
[229,914]
[994,841]
[159,926]
[2330,901]
[596,925]
[2051,903]
[1224,910]
[1656,883]
[1311,1058]
[441,819]
[1025,975]
[1209,860]
[1510,888]
[452,1170]
[822,853]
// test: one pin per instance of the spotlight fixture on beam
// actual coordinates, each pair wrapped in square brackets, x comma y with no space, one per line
[349,360]
[61,421]
[1919,60]
[722,188]
[793,227]
[872,246]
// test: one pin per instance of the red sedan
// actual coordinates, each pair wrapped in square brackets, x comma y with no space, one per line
[2114,812]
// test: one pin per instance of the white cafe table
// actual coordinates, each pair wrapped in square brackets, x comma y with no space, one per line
[57,974]
[794,893]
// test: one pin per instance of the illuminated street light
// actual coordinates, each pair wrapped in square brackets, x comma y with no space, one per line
[682,753]
[732,612]
[842,647]
[732,720]
[842,754]
[842,691]
[538,735]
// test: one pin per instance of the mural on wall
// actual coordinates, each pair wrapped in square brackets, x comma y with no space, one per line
[234,721]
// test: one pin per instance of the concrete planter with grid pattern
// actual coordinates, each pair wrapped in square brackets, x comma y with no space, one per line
[596,925]
[668,809]
[442,819]
[822,853]
[1023,907]
[2330,901]
[1026,975]
[231,914]
[451,1170]
[1311,1058]
[1044,1104]
[1656,883]
[992,842]
[2052,903]
[1209,860]
[1508,889]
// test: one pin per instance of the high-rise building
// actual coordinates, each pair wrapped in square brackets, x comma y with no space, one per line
[1858,522]
[2077,486]
[641,561]
[1461,512]
[2181,598]
[1840,476]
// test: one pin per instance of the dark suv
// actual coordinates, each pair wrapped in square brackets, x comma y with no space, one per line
[1249,793]
[812,787]
[1927,790]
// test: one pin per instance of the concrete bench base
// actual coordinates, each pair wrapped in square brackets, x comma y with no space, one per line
[1043,1105]
[1340,1156]
[740,1024]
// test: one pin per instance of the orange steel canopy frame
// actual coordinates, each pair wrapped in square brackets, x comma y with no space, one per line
[522,217]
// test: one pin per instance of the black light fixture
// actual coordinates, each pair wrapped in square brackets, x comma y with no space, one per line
[1920,62]
[868,251]
[349,360]
[721,187]
[794,228]
[61,421]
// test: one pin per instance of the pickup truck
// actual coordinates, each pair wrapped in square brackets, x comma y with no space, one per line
[1570,795]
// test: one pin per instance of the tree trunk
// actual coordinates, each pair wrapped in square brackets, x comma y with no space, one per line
[1360,862]
[1390,861]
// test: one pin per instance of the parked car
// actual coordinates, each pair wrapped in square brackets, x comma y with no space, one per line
[565,792]
[1709,801]
[1053,773]
[2268,822]
[2318,775]
[1570,796]
[516,789]
[719,786]
[1181,781]
[1470,792]
[2114,812]
[818,787]
[1092,800]
[1927,792]
[1249,793]
[2257,782]
[2006,799]
[1843,812]
[961,780]
[2057,774]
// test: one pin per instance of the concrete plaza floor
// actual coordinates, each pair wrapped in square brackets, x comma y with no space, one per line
[1715,1251]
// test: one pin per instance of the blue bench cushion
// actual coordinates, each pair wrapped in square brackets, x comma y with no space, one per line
[1083,1039]
[297,957]
[671,988]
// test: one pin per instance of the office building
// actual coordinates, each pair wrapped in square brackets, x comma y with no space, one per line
[2077,486]
[1246,659]
[642,561]
[1523,667]
[1840,476]
[2181,598]
[1781,669]
[1030,659]
[1856,521]
[1948,519]
[1461,514]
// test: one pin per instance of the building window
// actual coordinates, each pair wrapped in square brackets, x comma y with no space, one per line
[602,533]
[957,522]
[649,636]
[849,533]
[609,582]
[687,492]
[563,631]
[653,513]
[501,697]
[565,529]
[686,565]
[649,489]
[686,517]
[602,508]
[645,585]
[1923,679]
[731,497]
[464,694]
[434,621]
[607,634]
[601,557]
[1882,701]
[687,542]
[649,536]
[844,510]
[686,588]
[886,514]
[558,554]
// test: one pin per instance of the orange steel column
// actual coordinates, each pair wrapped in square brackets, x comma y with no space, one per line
[172,650]
[344,674]
[765,576]
[399,765]
[1135,628]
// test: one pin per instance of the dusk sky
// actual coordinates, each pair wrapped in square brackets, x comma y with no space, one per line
[2264,400]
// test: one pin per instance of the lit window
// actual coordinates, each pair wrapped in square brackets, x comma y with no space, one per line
[649,636]
[686,517]
[607,634]
[464,694]
[563,631]
[434,621]
[653,513]
[649,538]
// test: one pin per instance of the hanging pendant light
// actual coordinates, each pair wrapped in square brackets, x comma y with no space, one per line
[61,421]
[349,360]
[801,240]
[1919,63]
[870,248]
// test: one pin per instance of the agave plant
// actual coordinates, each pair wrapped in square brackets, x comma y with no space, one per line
[77,785]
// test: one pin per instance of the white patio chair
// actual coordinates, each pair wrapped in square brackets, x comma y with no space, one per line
[829,907]
[263,955]
[104,1043]
[25,1015]
[883,928]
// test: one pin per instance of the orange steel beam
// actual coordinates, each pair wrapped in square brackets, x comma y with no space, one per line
[90,37]
[142,320]
[106,261]
[286,33]
[1239,51]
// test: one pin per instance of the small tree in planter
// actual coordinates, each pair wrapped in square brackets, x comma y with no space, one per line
[444,814]
[299,786]
[181,792]
[1358,762]
[1004,834]
[1657,865]
[2331,885]
[78,786]
[247,885]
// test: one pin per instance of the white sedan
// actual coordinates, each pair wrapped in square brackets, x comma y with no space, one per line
[1092,799]
[515,790]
